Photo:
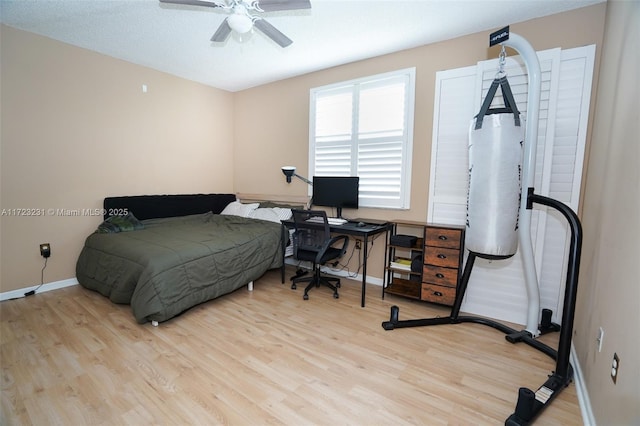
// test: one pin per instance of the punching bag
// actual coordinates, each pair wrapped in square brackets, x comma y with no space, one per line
[496,139]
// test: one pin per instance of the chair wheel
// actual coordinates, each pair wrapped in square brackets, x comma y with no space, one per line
[336,295]
[293,286]
[305,297]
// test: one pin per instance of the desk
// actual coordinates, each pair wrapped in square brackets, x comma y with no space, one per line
[364,232]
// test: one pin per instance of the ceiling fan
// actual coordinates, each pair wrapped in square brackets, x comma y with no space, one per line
[242,20]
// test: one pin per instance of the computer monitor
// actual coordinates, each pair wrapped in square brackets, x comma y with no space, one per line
[336,191]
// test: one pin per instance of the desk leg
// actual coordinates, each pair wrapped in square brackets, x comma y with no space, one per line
[364,268]
[283,243]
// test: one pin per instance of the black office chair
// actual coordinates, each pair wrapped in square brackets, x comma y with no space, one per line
[312,242]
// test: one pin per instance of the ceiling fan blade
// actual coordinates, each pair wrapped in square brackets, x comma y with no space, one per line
[275,5]
[272,32]
[222,32]
[193,3]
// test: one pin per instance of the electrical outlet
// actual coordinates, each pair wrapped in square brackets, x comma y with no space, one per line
[600,338]
[45,250]
[358,246]
[615,367]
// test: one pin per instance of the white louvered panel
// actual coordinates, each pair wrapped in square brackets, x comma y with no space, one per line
[574,89]
[449,173]
[333,158]
[571,124]
[549,62]
[497,289]
[537,223]
[449,151]
[449,213]
[379,168]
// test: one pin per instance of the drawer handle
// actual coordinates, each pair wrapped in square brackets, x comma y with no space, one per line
[442,256]
[439,275]
[442,237]
[437,293]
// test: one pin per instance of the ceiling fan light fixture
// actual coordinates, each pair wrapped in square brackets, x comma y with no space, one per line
[240,23]
[241,20]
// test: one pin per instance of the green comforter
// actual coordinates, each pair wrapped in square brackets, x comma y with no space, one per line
[176,263]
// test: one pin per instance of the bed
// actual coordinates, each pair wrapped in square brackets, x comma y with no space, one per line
[163,254]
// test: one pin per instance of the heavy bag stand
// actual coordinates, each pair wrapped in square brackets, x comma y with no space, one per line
[530,403]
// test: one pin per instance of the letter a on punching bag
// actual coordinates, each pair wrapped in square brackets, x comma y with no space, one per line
[496,139]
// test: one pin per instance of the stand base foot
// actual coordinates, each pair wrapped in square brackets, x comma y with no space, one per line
[546,326]
[530,403]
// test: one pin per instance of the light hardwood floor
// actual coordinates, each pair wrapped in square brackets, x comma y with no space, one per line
[71,357]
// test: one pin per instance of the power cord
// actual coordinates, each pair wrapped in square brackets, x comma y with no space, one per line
[32,292]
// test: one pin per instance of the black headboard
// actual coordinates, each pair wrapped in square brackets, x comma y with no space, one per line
[159,206]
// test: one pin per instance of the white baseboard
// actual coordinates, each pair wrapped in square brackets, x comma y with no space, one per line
[581,390]
[336,272]
[15,294]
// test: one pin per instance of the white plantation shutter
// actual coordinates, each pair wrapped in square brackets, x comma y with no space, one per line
[454,107]
[333,127]
[364,128]
[496,288]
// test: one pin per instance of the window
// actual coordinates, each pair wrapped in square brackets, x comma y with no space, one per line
[364,128]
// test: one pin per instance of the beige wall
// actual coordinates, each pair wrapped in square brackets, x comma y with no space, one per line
[76,127]
[272,121]
[609,289]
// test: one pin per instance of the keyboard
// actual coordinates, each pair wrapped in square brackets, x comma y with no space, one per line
[331,220]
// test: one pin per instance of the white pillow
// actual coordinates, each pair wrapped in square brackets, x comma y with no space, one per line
[236,208]
[272,214]
[265,214]
[283,213]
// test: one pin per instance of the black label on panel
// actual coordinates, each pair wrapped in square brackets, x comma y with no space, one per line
[499,36]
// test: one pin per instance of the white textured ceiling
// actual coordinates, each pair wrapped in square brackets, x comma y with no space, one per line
[175,39]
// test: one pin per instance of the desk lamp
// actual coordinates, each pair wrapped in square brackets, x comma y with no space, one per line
[290,171]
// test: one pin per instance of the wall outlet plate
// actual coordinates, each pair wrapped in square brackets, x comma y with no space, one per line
[615,366]
[45,250]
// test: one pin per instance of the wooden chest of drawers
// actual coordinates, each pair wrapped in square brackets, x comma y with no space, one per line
[441,248]
[443,254]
